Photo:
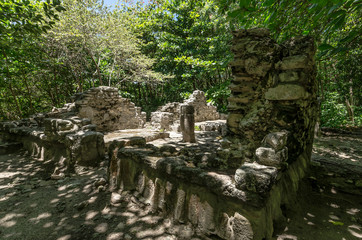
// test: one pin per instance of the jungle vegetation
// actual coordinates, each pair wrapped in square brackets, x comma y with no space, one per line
[162,50]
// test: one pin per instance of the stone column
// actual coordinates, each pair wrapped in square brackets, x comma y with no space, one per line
[187,122]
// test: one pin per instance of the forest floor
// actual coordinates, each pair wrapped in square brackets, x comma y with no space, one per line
[32,206]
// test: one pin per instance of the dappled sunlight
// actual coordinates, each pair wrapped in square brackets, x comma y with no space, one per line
[355,230]
[101,228]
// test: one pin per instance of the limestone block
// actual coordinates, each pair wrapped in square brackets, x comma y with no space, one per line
[241,79]
[86,148]
[234,119]
[162,120]
[206,216]
[193,209]
[187,123]
[244,87]
[271,157]
[238,62]
[286,92]
[293,62]
[241,228]
[291,76]
[255,177]
[277,140]
[254,67]
[180,205]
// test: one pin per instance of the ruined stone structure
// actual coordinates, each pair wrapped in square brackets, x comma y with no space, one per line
[236,186]
[108,111]
[273,90]
[73,135]
[232,186]
[168,116]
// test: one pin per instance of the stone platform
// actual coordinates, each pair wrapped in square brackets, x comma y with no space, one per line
[187,183]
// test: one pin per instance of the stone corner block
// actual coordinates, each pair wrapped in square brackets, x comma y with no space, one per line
[286,92]
[276,140]
[255,177]
[270,157]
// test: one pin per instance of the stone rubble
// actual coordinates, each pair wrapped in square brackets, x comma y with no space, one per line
[167,117]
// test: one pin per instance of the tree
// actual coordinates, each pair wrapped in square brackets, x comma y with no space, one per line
[20,20]
[189,41]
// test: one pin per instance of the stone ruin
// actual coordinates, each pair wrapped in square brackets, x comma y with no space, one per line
[167,117]
[236,186]
[73,135]
[232,187]
[108,111]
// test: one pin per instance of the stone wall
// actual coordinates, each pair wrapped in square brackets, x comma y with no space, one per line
[72,135]
[273,90]
[108,111]
[168,116]
[68,142]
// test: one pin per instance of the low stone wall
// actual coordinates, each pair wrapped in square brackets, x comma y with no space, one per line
[66,142]
[167,117]
[208,199]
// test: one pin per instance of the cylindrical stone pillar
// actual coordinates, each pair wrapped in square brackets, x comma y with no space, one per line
[187,122]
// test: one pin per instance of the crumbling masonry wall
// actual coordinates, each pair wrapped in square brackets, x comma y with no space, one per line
[73,135]
[168,116]
[273,90]
[108,111]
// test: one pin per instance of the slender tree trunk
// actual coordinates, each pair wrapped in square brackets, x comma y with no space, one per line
[350,111]
[97,67]
[15,100]
[29,94]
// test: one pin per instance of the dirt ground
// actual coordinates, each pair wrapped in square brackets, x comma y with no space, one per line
[32,206]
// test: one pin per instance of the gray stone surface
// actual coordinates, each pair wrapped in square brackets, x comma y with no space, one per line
[276,140]
[168,116]
[271,157]
[187,123]
[286,92]
[255,177]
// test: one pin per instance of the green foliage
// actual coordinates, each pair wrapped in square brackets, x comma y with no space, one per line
[334,112]
[318,18]
[189,41]
[218,96]
[162,51]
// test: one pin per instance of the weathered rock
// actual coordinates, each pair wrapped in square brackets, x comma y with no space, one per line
[241,228]
[293,62]
[276,140]
[107,110]
[116,198]
[271,157]
[187,123]
[286,92]
[255,177]
[162,120]
[166,117]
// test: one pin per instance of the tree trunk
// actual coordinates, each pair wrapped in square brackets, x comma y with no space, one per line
[97,67]
[29,94]
[350,111]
